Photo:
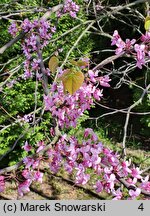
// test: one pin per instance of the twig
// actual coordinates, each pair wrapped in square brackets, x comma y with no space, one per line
[18,120]
[128,115]
[106,61]
[146,169]
[70,30]
[10,43]
[119,110]
[118,8]
[72,48]
[35,99]
[14,145]
[42,67]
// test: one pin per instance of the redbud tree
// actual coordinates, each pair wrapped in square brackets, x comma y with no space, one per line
[71,86]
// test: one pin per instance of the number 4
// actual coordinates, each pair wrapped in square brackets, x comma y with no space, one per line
[141,207]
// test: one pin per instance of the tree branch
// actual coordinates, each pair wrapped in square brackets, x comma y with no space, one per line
[128,115]
[106,61]
[22,34]
[42,67]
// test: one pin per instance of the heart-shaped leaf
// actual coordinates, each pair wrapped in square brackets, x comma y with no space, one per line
[53,64]
[72,80]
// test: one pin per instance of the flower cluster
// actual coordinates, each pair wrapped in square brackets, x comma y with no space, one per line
[82,158]
[13,29]
[30,176]
[41,28]
[102,80]
[69,7]
[68,108]
[30,173]
[140,51]
[91,155]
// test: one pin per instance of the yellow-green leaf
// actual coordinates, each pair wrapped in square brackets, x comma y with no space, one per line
[147,23]
[81,63]
[73,62]
[72,80]
[53,64]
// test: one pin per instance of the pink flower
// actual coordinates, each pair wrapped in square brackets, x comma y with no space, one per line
[110,181]
[98,186]
[27,174]
[104,81]
[97,94]
[27,74]
[26,25]
[140,50]
[53,29]
[86,62]
[41,146]
[2,183]
[82,178]
[23,188]
[125,169]
[115,38]
[28,161]
[70,7]
[27,118]
[121,46]
[132,181]
[35,64]
[129,43]
[135,193]
[56,160]
[87,132]
[92,76]
[73,14]
[136,173]
[36,163]
[145,184]
[146,37]
[113,160]
[108,170]
[38,176]
[48,102]
[68,167]
[117,194]
[27,147]
[13,29]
